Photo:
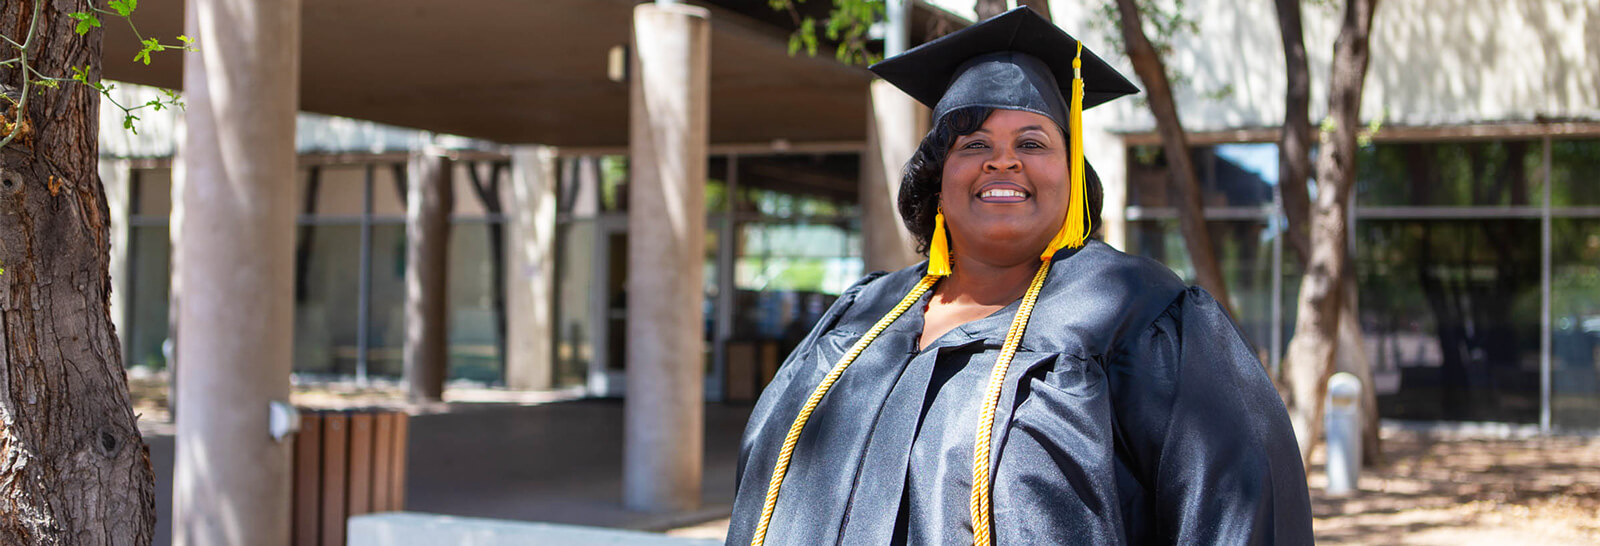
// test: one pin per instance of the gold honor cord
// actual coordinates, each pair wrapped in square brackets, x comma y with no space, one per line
[789,441]
[981,504]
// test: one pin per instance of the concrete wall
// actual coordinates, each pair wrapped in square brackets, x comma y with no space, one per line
[1434,62]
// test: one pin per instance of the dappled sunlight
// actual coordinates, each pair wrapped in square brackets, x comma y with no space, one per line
[1438,489]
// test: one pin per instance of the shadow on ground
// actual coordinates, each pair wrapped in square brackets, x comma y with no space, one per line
[1462,491]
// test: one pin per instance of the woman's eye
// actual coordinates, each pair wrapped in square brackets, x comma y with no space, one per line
[976,144]
[1032,144]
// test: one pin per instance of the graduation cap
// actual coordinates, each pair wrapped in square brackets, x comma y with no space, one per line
[1014,61]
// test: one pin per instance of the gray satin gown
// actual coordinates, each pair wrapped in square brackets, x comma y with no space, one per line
[1133,413]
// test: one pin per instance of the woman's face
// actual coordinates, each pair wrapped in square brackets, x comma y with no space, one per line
[1005,185]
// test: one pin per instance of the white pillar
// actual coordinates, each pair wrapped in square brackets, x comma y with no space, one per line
[893,123]
[668,110]
[235,254]
[117,177]
[531,271]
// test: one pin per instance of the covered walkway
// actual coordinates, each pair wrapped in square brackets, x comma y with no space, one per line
[559,462]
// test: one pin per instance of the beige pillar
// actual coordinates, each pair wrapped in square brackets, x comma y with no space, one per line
[893,123]
[235,253]
[668,110]
[430,197]
[117,177]
[1107,153]
[530,274]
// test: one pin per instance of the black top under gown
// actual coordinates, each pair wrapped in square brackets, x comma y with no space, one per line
[1133,413]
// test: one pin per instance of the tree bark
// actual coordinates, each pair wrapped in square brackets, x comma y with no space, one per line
[428,209]
[1311,352]
[1294,139]
[73,467]
[1185,182]
[1294,170]
[489,195]
[1041,7]
[990,8]
[1352,357]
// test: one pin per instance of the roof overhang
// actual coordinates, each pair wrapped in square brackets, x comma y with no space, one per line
[514,71]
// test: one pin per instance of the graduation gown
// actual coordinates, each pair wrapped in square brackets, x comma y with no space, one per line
[1134,412]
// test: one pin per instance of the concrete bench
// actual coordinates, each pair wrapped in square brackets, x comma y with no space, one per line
[413,529]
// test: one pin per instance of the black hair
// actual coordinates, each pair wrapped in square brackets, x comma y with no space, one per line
[919,188]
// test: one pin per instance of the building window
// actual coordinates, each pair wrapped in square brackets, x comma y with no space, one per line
[351,222]
[1447,249]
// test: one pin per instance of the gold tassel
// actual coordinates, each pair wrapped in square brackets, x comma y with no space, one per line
[1075,230]
[939,248]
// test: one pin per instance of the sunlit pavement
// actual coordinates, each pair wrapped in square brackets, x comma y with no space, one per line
[557,462]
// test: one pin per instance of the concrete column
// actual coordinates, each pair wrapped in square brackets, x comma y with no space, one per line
[668,110]
[430,197]
[531,268]
[892,136]
[117,177]
[234,184]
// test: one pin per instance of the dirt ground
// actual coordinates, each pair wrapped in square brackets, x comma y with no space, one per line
[1459,490]
[1435,488]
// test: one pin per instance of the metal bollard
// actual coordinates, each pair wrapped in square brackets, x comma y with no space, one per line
[1343,424]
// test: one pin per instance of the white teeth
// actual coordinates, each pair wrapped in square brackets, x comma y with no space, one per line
[1001,193]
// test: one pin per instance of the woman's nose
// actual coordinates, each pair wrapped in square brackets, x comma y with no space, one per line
[1002,159]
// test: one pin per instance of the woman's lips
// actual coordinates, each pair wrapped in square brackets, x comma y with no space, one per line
[1002,192]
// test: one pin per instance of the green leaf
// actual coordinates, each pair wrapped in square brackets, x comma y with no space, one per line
[80,74]
[127,123]
[1329,125]
[123,7]
[86,21]
[150,45]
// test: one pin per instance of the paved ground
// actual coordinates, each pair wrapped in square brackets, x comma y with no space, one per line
[534,457]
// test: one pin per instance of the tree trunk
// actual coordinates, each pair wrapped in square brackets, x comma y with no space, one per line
[990,8]
[1294,140]
[1311,352]
[1158,91]
[1294,170]
[428,209]
[489,195]
[303,242]
[73,467]
[1041,7]
[1352,357]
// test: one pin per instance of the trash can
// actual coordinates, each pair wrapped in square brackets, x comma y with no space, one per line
[346,463]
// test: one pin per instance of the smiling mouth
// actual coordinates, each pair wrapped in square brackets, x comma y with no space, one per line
[1002,195]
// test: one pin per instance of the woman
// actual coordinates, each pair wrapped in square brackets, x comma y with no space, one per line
[1026,385]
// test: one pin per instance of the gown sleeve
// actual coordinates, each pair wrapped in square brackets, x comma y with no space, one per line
[1206,433]
[764,407]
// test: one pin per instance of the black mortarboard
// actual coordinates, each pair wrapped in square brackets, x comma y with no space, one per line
[1015,60]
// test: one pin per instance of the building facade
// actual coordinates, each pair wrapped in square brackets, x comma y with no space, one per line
[1476,231]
